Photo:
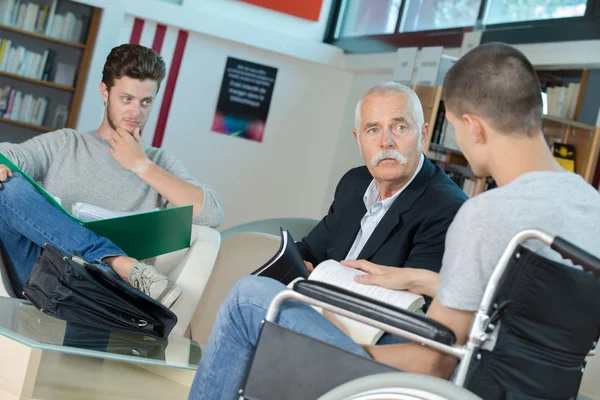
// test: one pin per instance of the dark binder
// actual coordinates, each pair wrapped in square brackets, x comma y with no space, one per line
[287,264]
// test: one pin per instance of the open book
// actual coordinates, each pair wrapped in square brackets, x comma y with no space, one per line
[141,235]
[287,266]
[334,273]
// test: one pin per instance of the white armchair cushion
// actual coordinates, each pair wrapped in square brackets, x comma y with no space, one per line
[240,254]
[590,385]
[5,286]
[191,269]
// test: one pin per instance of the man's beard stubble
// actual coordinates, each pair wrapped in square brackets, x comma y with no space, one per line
[112,124]
[109,118]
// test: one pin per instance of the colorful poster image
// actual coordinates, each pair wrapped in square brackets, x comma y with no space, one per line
[244,99]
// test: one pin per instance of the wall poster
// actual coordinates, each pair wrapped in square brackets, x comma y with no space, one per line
[245,99]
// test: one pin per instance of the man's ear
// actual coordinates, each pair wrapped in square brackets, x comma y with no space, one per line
[104,92]
[476,128]
[355,135]
[424,134]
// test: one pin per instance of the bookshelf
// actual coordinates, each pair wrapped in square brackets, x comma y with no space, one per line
[45,53]
[38,81]
[25,125]
[584,137]
[430,97]
[42,36]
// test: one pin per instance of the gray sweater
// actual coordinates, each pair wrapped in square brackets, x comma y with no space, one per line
[78,167]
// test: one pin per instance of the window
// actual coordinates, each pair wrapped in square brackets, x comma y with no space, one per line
[368,17]
[505,11]
[427,15]
[369,26]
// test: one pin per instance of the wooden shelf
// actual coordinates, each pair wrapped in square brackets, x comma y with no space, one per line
[26,125]
[442,149]
[569,122]
[42,36]
[38,82]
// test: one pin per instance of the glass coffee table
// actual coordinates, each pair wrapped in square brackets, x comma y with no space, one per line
[42,357]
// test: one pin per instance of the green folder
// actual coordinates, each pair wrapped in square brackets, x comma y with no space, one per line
[140,236]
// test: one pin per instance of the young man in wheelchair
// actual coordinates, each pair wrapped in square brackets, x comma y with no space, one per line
[493,100]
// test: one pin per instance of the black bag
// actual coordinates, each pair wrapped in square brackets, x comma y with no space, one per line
[68,288]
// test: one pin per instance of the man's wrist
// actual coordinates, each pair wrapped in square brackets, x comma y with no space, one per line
[141,168]
[424,282]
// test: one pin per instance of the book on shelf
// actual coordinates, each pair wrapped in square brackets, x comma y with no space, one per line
[439,123]
[18,60]
[562,100]
[44,20]
[17,106]
[564,154]
[65,74]
[473,186]
[287,266]
[443,132]
[140,235]
[61,115]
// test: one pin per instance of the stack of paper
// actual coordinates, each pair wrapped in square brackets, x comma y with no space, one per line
[90,212]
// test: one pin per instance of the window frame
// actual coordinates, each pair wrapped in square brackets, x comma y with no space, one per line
[586,27]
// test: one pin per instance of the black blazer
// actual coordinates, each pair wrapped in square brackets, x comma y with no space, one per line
[411,233]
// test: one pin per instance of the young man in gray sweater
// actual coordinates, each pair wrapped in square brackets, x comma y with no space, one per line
[110,168]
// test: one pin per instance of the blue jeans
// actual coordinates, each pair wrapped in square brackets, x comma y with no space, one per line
[28,220]
[228,355]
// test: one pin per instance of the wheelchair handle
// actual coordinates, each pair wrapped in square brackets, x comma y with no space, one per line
[577,255]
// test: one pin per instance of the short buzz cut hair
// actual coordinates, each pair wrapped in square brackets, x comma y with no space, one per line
[133,61]
[496,82]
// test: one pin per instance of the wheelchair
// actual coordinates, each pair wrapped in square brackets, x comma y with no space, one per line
[536,323]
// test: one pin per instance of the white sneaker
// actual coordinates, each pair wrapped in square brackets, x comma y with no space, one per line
[150,281]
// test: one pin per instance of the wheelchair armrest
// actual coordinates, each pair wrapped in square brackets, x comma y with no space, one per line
[376,310]
[577,255]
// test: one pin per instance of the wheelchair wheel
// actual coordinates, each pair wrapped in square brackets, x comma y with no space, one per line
[399,386]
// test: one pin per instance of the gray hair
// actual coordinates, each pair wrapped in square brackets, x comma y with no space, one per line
[391,87]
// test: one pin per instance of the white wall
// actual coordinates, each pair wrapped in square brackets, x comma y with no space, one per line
[286,174]
[247,13]
[346,154]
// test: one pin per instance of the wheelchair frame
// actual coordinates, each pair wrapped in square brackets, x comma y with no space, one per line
[481,325]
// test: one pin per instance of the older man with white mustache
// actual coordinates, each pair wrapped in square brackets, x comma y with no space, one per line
[406,203]
[390,215]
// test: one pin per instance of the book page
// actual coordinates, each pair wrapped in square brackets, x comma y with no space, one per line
[90,212]
[336,274]
[360,332]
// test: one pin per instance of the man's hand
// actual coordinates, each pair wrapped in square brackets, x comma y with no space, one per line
[309,266]
[414,280]
[129,151]
[4,174]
